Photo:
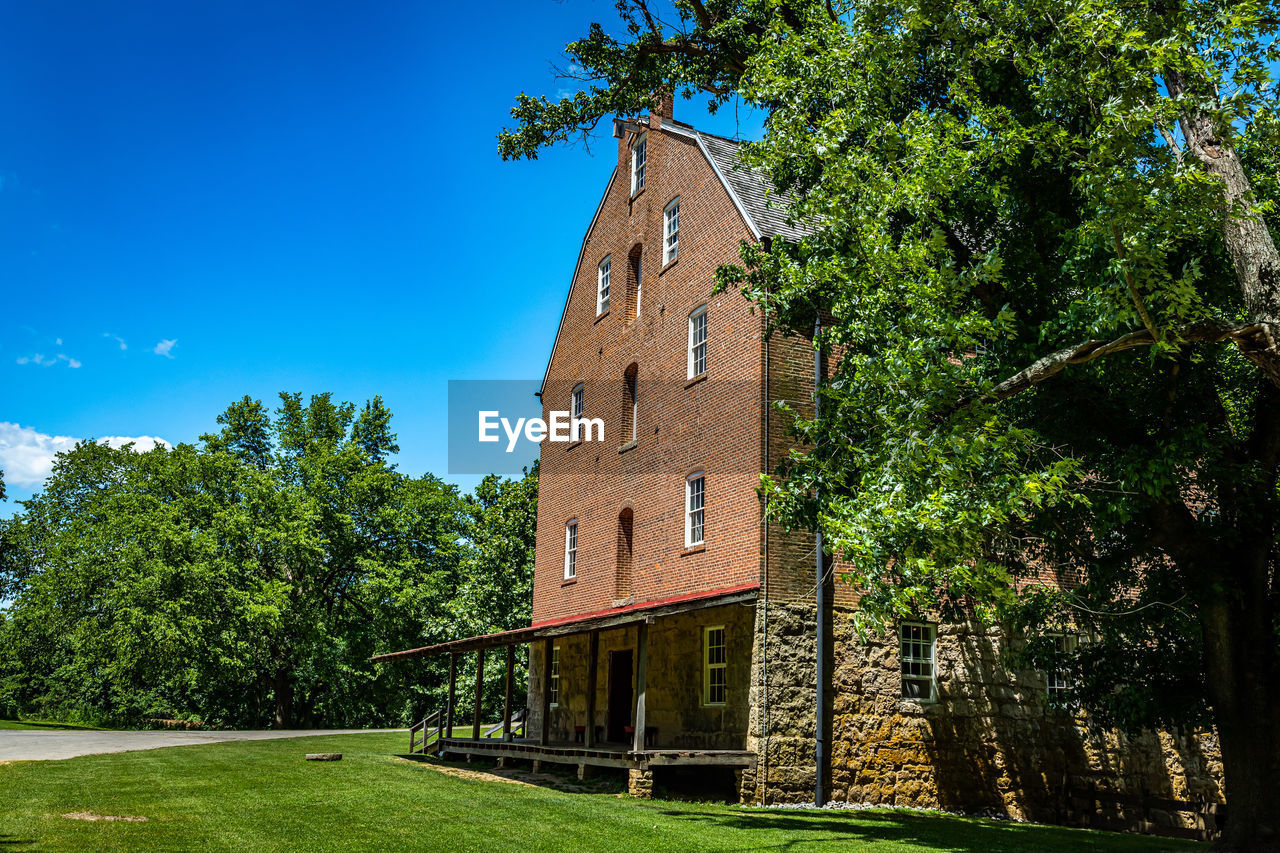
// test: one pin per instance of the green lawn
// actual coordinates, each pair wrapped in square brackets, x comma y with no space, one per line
[263,796]
[24,725]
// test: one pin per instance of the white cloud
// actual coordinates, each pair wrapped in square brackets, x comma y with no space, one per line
[117,339]
[49,360]
[27,455]
[164,348]
[141,443]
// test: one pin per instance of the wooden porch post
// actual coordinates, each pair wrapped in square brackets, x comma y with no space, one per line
[544,736]
[506,702]
[642,678]
[593,652]
[475,712]
[453,693]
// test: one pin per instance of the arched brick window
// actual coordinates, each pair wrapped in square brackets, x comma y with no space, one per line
[635,283]
[630,409]
[622,575]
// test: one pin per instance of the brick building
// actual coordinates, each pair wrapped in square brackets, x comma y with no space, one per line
[672,626]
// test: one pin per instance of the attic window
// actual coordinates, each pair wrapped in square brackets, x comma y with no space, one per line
[671,231]
[639,149]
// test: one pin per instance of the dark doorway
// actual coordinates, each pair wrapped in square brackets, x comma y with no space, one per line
[619,696]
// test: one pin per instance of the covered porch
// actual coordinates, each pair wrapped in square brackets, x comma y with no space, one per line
[662,684]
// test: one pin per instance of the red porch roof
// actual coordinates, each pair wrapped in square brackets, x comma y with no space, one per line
[600,619]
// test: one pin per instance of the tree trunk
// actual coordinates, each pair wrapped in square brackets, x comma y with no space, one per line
[1248,240]
[1244,700]
[283,690]
[1241,655]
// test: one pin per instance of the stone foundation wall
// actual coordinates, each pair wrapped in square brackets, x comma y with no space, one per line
[990,742]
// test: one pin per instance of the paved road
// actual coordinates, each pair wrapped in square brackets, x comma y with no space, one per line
[54,745]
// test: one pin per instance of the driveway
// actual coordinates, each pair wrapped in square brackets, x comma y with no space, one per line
[55,745]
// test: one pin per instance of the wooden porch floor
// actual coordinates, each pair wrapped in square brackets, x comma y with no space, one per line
[601,755]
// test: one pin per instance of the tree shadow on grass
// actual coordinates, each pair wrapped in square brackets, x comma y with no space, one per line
[940,832]
[15,841]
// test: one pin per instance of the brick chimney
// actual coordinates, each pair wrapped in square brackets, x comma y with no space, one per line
[664,107]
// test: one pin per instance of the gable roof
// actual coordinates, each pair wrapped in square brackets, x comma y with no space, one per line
[752,193]
[761,205]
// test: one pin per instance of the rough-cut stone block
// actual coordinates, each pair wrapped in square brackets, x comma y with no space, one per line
[640,783]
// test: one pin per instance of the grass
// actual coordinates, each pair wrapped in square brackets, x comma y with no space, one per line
[263,796]
[27,725]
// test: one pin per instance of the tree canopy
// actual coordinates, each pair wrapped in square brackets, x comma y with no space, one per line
[246,581]
[1040,248]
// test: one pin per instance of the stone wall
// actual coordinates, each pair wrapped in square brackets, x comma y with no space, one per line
[990,742]
[674,695]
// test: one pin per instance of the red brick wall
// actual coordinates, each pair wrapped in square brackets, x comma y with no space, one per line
[713,425]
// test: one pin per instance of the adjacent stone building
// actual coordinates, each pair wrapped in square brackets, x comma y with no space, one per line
[673,627]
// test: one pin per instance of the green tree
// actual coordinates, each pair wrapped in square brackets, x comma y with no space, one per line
[125,609]
[242,583]
[1041,250]
[495,589]
[360,547]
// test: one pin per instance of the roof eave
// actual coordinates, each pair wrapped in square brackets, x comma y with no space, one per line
[577,266]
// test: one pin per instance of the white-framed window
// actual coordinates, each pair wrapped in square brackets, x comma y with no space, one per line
[1059,680]
[576,403]
[571,549]
[602,285]
[695,502]
[639,152]
[698,342]
[715,684]
[555,677]
[918,648]
[671,231]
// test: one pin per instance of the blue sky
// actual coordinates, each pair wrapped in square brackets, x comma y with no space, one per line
[203,201]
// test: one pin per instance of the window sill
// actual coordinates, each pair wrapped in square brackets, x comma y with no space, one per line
[635,195]
[630,445]
[601,316]
[694,549]
[571,445]
[714,704]
[569,581]
[669,264]
[701,377]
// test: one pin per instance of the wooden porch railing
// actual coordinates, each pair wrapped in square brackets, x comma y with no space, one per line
[418,745]
[432,729]
[517,725]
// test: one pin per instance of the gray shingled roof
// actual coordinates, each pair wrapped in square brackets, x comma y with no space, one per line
[764,205]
